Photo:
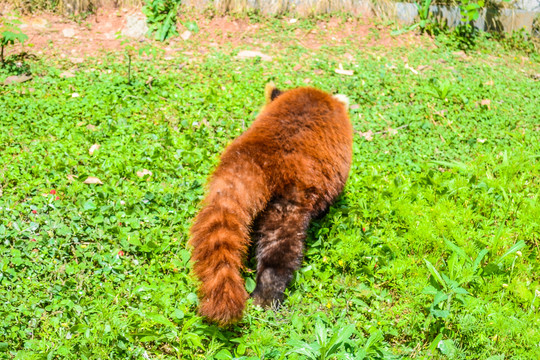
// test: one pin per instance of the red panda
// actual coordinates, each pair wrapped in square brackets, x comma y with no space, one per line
[286,169]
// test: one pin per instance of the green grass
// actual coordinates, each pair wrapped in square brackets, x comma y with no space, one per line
[433,249]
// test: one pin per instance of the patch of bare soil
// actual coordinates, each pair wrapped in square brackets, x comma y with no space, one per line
[50,34]
[54,36]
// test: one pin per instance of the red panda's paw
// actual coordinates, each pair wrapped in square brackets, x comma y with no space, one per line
[271,284]
[269,301]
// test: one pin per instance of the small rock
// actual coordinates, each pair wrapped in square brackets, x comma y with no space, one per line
[68,32]
[135,26]
[460,54]
[39,23]
[368,135]
[93,149]
[411,68]
[246,54]
[344,72]
[144,172]
[17,79]
[67,74]
[92,180]
[76,60]
[186,35]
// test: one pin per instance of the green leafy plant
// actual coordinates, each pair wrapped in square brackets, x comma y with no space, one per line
[424,19]
[461,272]
[323,347]
[424,15]
[131,49]
[192,26]
[161,17]
[470,9]
[372,349]
[520,40]
[440,89]
[464,36]
[10,33]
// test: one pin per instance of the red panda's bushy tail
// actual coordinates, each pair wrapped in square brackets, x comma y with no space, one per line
[220,238]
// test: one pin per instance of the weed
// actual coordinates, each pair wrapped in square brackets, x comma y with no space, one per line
[161,17]
[131,49]
[10,33]
[323,348]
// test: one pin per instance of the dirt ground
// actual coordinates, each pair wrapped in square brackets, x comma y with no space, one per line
[52,36]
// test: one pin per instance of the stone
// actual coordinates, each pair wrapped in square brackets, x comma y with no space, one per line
[136,26]
[246,54]
[509,20]
[68,32]
[406,13]
[76,60]
[67,74]
[39,23]
[186,35]
[14,79]
[528,5]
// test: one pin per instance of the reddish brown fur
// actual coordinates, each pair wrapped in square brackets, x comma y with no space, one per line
[287,168]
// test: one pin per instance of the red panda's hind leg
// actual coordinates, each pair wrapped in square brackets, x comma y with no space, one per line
[280,234]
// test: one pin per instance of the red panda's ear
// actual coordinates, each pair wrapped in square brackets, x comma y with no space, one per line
[271,92]
[342,99]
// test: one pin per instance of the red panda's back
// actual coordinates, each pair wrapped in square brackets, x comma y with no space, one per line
[302,137]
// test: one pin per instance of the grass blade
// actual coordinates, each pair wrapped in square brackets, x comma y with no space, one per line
[518,246]
[451,165]
[479,259]
[339,337]
[457,250]
[435,273]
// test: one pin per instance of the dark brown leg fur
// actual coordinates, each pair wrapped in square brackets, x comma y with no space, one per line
[280,235]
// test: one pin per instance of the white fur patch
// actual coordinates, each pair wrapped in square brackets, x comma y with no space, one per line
[342,99]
